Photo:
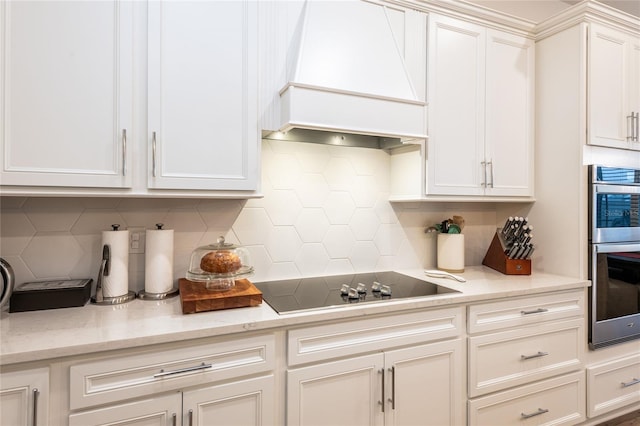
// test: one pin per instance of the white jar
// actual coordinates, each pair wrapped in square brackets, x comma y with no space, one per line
[451,252]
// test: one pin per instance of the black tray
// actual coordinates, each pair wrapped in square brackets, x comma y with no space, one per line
[53,294]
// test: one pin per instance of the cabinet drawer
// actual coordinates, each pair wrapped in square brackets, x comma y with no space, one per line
[531,310]
[140,374]
[511,358]
[557,401]
[613,385]
[353,337]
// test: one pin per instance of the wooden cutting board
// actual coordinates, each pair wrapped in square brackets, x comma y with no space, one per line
[195,297]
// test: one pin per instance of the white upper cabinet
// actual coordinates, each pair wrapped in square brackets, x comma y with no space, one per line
[481,102]
[203,87]
[509,129]
[613,88]
[66,72]
[130,98]
[456,104]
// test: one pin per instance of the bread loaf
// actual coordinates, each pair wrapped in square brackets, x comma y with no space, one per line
[220,262]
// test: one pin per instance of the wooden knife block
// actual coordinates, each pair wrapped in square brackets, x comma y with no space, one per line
[496,259]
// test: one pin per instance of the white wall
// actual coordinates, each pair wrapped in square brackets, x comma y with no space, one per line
[324,211]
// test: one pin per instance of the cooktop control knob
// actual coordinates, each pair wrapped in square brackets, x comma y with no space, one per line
[344,290]
[361,288]
[385,290]
[353,294]
[376,286]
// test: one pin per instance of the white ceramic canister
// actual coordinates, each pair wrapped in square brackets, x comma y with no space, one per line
[451,252]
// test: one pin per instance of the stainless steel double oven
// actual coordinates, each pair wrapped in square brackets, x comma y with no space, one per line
[614,261]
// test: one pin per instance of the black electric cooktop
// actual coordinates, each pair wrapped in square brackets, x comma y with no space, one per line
[303,294]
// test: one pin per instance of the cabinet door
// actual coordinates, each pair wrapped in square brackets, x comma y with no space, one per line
[610,84]
[67,103]
[509,115]
[242,403]
[24,397]
[158,411]
[203,125]
[426,385]
[456,104]
[340,393]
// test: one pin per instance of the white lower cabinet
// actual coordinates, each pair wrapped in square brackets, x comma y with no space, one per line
[159,411]
[516,357]
[557,401]
[526,360]
[426,384]
[240,403]
[419,384]
[345,392]
[243,403]
[230,382]
[613,384]
[24,397]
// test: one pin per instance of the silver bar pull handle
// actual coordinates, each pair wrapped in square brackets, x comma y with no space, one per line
[163,373]
[36,394]
[190,417]
[535,311]
[490,164]
[536,413]
[382,401]
[538,355]
[633,131]
[393,388]
[153,154]
[174,419]
[634,381]
[484,174]
[124,152]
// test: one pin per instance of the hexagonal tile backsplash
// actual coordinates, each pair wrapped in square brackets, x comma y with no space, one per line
[324,211]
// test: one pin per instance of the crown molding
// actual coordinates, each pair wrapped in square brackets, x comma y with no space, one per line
[471,12]
[588,11]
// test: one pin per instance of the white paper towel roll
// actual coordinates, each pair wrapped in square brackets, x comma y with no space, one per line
[158,276]
[116,284]
[451,252]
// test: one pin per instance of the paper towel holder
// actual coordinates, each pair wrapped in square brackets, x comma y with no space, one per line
[158,296]
[144,295]
[99,298]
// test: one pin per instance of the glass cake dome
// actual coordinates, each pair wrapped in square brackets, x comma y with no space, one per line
[219,265]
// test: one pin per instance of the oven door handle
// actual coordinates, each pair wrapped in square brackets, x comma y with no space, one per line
[615,248]
[616,189]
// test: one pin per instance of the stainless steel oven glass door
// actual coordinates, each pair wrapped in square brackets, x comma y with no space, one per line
[614,205]
[615,293]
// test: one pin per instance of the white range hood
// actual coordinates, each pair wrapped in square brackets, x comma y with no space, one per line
[346,74]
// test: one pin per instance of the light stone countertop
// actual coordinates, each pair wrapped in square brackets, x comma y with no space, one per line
[48,334]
